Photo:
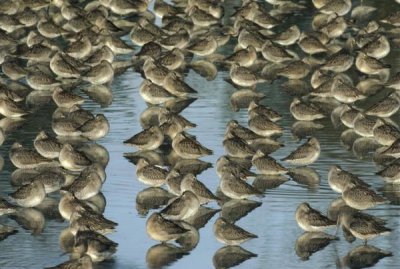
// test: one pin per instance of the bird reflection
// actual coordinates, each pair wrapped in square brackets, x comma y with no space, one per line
[66,240]
[305,175]
[302,129]
[267,182]
[165,254]
[49,208]
[202,216]
[205,69]
[36,99]
[234,209]
[311,242]
[178,105]
[100,94]
[10,124]
[191,166]
[364,145]
[348,137]
[190,239]
[30,219]
[392,193]
[151,198]
[6,231]
[151,156]
[364,256]
[230,256]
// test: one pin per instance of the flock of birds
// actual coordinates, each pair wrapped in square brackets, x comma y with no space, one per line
[51,48]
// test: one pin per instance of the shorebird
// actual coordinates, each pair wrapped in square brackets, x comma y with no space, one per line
[148,139]
[267,165]
[244,57]
[164,230]
[29,195]
[73,160]
[182,207]
[188,147]
[258,109]
[191,183]
[393,150]
[237,147]
[303,111]
[361,226]
[305,154]
[361,197]
[25,158]
[237,188]
[231,234]
[244,77]
[150,174]
[339,179]
[311,220]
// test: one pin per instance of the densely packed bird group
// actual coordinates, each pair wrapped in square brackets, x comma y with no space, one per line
[51,48]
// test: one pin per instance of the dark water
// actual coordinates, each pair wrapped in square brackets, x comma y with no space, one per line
[273,222]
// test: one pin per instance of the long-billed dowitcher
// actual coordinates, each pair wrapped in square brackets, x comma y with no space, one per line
[303,111]
[29,195]
[148,139]
[236,188]
[164,230]
[361,197]
[188,147]
[182,207]
[361,226]
[150,174]
[47,146]
[236,146]
[191,183]
[267,165]
[231,234]
[306,153]
[311,220]
[25,158]
[339,179]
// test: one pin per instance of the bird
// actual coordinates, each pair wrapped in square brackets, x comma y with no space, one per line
[150,174]
[311,220]
[267,165]
[188,147]
[163,230]
[182,207]
[305,154]
[191,183]
[29,195]
[360,226]
[339,179]
[231,234]
[361,197]
[236,188]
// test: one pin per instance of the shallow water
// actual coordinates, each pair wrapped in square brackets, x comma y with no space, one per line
[273,222]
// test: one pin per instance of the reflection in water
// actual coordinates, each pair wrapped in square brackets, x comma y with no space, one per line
[161,255]
[30,219]
[364,256]
[311,242]
[151,198]
[230,256]
[234,210]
